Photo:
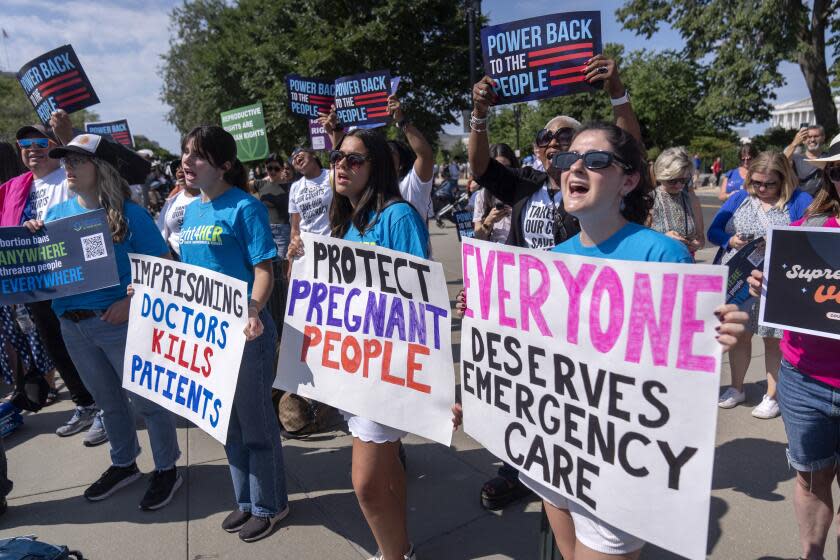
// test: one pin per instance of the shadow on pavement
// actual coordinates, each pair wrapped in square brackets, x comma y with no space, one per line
[752,466]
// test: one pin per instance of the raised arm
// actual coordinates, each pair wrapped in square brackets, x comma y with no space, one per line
[332,127]
[424,164]
[601,69]
[478,149]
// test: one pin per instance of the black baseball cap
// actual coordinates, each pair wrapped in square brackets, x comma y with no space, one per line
[38,129]
[132,167]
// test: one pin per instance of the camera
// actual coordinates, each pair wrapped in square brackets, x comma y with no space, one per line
[500,206]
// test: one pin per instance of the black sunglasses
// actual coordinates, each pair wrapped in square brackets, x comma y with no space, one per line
[595,159]
[354,160]
[562,135]
[833,173]
[277,167]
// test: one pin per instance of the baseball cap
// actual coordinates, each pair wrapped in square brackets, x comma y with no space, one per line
[39,129]
[132,167]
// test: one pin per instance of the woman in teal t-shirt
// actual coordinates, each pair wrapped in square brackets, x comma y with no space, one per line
[243,249]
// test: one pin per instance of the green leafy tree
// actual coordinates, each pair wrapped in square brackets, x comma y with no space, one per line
[741,43]
[142,142]
[225,56]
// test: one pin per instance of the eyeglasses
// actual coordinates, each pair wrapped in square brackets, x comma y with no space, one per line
[73,161]
[354,160]
[674,182]
[833,173]
[26,143]
[746,159]
[595,159]
[766,185]
[274,168]
[562,135]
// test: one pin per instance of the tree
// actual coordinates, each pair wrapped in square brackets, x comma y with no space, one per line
[741,43]
[143,142]
[226,56]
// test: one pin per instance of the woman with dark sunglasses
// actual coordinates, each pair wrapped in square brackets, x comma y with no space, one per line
[676,209]
[733,180]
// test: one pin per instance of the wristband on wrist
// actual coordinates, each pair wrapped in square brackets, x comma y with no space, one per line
[252,303]
[403,123]
[623,100]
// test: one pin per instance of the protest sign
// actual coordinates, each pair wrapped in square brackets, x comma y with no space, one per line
[362,99]
[118,130]
[742,263]
[464,223]
[802,275]
[368,330]
[66,257]
[541,57]
[599,380]
[56,80]
[187,335]
[309,96]
[247,125]
[318,136]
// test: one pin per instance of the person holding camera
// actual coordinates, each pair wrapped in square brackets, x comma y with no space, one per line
[491,217]
[809,175]
[770,198]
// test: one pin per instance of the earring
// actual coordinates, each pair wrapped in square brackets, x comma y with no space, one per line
[622,205]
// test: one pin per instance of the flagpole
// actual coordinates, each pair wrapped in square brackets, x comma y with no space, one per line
[6,49]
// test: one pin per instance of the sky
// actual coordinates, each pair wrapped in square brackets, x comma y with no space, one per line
[120,44]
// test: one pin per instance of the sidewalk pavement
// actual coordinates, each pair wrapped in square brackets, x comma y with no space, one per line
[751,512]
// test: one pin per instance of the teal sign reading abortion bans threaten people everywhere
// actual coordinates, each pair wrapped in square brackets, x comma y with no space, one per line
[69,256]
[247,125]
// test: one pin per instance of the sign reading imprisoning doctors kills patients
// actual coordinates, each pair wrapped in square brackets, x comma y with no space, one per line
[187,335]
[368,331]
[247,125]
[599,380]
[541,57]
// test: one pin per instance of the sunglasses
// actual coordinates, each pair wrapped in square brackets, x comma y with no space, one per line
[595,159]
[73,161]
[833,173]
[562,135]
[675,182]
[766,185]
[276,168]
[42,143]
[354,160]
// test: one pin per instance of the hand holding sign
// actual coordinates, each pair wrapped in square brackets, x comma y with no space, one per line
[484,96]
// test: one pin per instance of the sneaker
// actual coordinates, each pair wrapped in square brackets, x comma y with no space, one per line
[768,408]
[96,434]
[162,488]
[235,520]
[408,556]
[258,527]
[731,398]
[112,480]
[82,418]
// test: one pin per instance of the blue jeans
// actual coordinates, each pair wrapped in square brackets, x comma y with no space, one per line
[811,413]
[253,448]
[97,348]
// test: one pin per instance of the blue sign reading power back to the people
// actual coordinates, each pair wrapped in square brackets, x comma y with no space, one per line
[68,256]
[541,57]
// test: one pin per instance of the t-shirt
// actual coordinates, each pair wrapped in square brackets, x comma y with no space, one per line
[311,199]
[229,234]
[632,242]
[418,193]
[276,194]
[538,218]
[815,356]
[143,237]
[734,181]
[398,227]
[501,229]
[809,175]
[46,192]
[171,218]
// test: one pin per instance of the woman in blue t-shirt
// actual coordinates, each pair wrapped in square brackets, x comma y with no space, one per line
[367,207]
[94,325]
[733,180]
[243,250]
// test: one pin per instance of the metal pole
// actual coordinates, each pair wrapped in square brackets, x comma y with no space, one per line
[516,120]
[471,30]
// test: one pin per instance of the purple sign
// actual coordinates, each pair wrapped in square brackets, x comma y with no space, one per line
[319,137]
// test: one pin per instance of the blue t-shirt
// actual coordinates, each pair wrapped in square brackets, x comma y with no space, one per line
[397,227]
[143,237]
[631,243]
[229,234]
[734,181]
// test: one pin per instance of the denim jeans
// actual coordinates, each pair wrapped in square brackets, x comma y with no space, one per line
[253,448]
[97,348]
[5,484]
[811,414]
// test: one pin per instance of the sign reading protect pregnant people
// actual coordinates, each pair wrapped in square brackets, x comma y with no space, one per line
[368,330]
[56,80]
[247,125]
[363,99]
[599,380]
[541,57]
[66,257]
[187,335]
[803,281]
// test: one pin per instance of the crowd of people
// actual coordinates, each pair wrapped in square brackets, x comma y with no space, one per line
[588,190]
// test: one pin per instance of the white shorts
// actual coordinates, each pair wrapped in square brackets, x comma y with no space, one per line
[370,431]
[591,531]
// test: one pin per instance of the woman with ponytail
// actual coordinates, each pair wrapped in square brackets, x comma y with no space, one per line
[94,325]
[244,250]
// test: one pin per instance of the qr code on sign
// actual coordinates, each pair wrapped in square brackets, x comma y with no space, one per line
[94,247]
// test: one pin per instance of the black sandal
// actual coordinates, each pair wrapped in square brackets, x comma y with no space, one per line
[499,492]
[52,397]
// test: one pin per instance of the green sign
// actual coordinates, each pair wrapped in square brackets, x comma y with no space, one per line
[247,125]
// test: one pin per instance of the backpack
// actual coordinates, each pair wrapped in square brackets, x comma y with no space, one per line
[28,548]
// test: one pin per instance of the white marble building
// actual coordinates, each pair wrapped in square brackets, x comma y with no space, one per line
[794,113]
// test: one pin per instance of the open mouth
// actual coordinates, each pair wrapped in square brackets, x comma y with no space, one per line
[577,188]
[342,178]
